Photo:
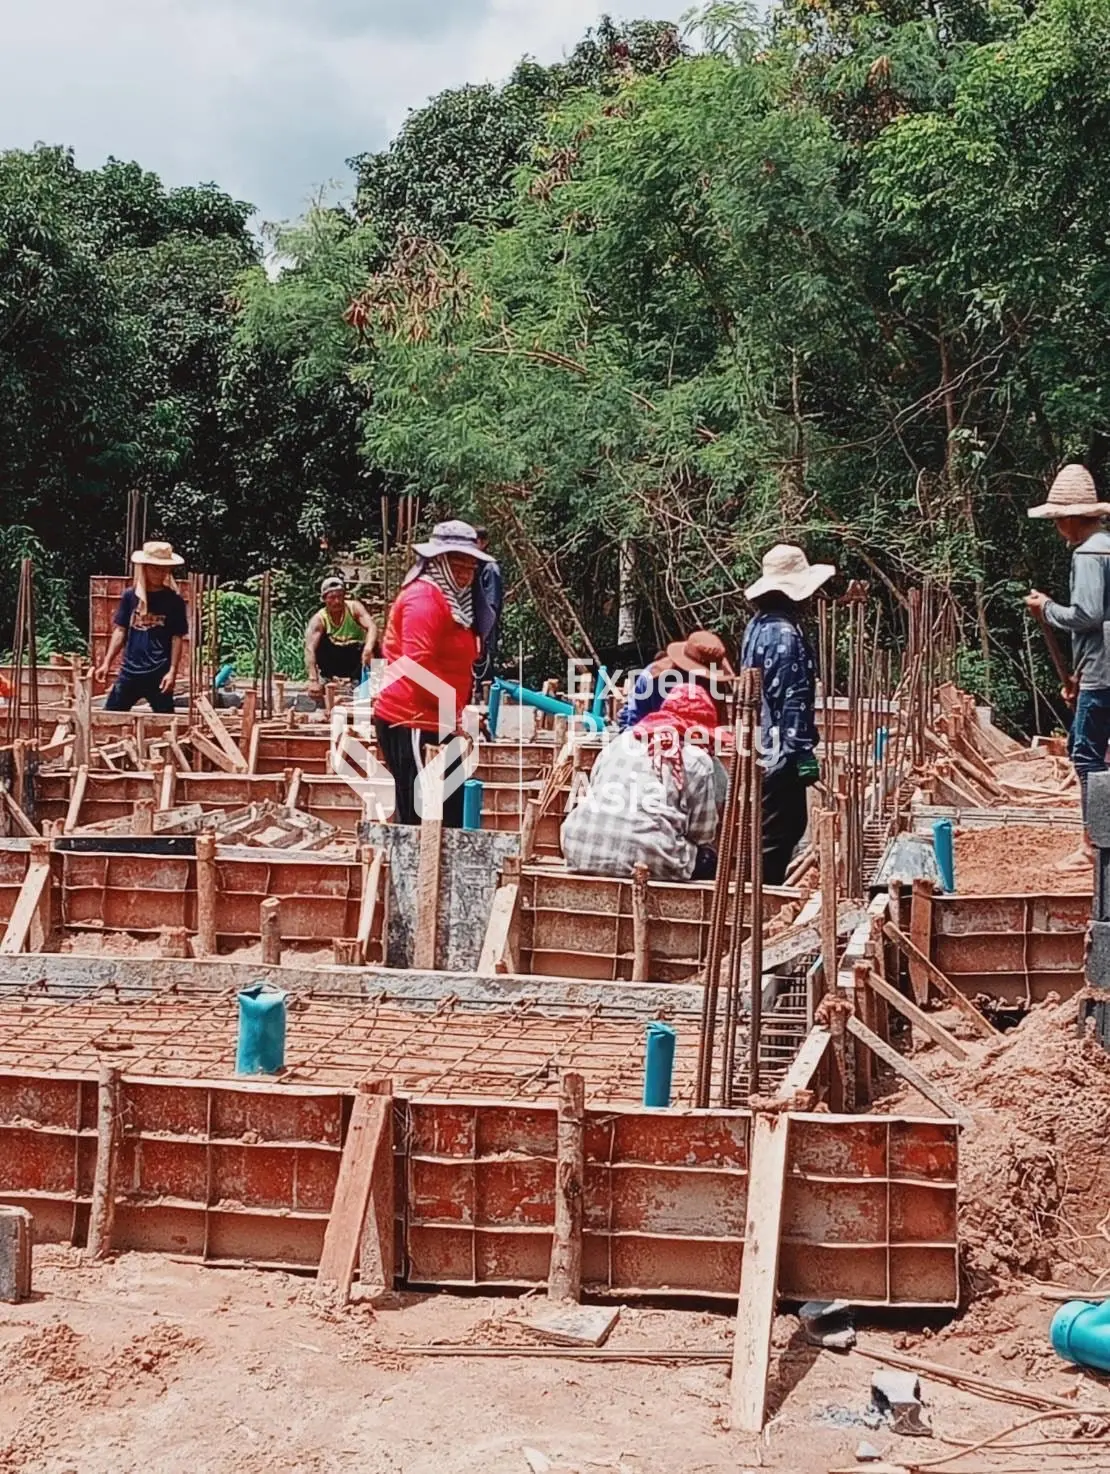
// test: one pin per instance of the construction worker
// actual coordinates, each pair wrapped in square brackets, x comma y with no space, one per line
[698,660]
[489,595]
[150,628]
[340,639]
[1074,506]
[775,645]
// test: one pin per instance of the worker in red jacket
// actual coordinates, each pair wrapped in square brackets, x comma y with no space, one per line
[431,632]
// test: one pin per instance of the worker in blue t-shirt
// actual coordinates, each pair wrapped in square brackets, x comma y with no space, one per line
[150,627]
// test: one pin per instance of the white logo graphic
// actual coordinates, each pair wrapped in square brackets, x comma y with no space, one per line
[352,732]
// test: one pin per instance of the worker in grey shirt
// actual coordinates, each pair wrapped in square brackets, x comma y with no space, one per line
[1074,506]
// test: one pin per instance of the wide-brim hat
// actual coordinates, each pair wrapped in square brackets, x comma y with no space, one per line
[701,654]
[158,555]
[1072,494]
[453,537]
[787,570]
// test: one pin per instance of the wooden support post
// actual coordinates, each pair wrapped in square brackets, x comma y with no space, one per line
[167,787]
[943,985]
[223,737]
[19,818]
[920,1020]
[252,755]
[529,823]
[371,889]
[864,1004]
[331,696]
[103,1211]
[140,736]
[498,955]
[82,715]
[206,895]
[565,1277]
[76,799]
[371,1127]
[248,717]
[279,695]
[751,1355]
[641,955]
[215,754]
[144,816]
[826,848]
[346,952]
[378,1252]
[921,935]
[28,907]
[173,941]
[293,790]
[182,762]
[269,925]
[41,934]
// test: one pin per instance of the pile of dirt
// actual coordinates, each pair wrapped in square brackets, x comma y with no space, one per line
[1019,859]
[1034,1168]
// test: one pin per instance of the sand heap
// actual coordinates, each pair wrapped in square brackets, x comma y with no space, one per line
[1035,1167]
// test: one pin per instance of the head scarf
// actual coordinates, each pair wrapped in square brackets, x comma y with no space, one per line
[690,708]
[437,570]
[141,589]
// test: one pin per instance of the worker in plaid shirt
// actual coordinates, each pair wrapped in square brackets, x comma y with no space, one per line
[652,798]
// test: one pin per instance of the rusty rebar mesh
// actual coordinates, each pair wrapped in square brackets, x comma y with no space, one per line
[515,1052]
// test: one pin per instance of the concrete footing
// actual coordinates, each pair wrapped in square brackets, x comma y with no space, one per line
[17,1230]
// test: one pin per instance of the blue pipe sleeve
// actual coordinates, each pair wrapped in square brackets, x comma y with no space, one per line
[261,1048]
[1081,1334]
[944,847]
[493,715]
[597,711]
[473,792]
[542,702]
[225,674]
[659,1065]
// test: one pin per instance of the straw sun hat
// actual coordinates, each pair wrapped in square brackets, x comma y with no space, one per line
[157,555]
[787,570]
[1072,494]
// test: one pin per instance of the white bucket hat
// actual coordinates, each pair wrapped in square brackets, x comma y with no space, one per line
[158,555]
[453,537]
[787,570]
[1072,494]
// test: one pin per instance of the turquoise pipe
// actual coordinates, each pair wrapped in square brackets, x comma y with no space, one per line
[597,711]
[659,1065]
[261,1047]
[493,715]
[944,848]
[473,792]
[225,674]
[1081,1334]
[542,702]
[882,737]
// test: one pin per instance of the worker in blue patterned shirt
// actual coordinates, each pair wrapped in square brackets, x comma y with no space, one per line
[775,646]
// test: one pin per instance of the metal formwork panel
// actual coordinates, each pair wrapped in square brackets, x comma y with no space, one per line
[132,893]
[1011,947]
[319,900]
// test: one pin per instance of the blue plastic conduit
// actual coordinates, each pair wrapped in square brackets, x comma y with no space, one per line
[261,1049]
[473,791]
[944,847]
[225,674]
[542,702]
[493,716]
[597,711]
[659,1065]
[1081,1334]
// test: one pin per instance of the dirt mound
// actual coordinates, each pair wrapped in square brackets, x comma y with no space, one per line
[1034,1169]
[1019,859]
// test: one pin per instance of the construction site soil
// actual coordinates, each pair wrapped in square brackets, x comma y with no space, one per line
[1034,1166]
[1016,859]
[146,1363]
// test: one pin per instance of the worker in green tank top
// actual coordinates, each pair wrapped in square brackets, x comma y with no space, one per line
[340,640]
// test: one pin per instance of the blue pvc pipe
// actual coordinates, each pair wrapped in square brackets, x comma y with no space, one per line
[944,847]
[659,1065]
[1081,1334]
[493,716]
[882,737]
[473,791]
[542,702]
[597,711]
[225,674]
[261,1047]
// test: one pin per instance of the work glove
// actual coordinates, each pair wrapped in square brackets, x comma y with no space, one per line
[808,770]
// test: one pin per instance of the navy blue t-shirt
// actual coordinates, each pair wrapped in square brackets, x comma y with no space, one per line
[150,637]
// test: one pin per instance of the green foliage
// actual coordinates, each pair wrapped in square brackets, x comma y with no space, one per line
[55,629]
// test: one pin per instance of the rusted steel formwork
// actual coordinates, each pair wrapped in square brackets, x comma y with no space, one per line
[1014,948]
[582,925]
[232,1173]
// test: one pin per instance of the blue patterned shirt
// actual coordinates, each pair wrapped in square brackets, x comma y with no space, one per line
[776,647]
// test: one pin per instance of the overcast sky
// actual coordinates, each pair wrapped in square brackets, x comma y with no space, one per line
[267,98]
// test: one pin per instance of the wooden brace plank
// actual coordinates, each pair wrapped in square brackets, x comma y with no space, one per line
[26,909]
[371,888]
[755,1314]
[908,1072]
[940,982]
[371,1119]
[212,752]
[917,1016]
[20,819]
[224,740]
[495,947]
[76,799]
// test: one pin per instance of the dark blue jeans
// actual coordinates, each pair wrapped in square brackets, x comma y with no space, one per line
[1089,737]
[129,689]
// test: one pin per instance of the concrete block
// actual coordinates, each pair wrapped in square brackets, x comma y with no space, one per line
[898,1396]
[17,1230]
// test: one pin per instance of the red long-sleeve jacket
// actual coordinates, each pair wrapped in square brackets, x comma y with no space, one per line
[421,627]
